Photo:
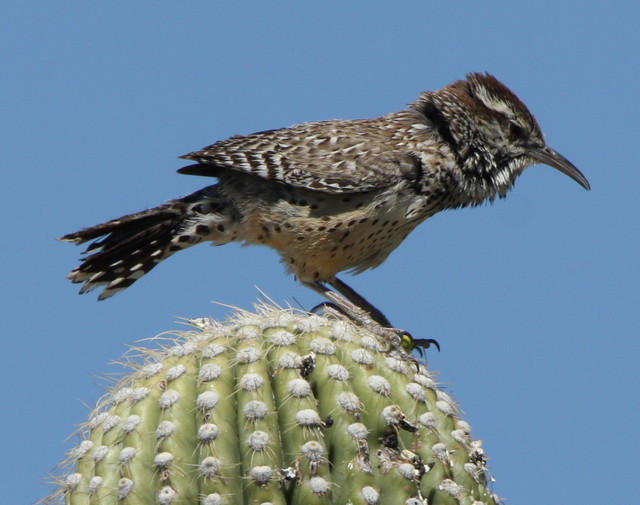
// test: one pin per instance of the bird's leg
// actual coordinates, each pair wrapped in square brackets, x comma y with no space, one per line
[328,305]
[347,300]
[344,304]
[361,302]
[357,308]
[377,315]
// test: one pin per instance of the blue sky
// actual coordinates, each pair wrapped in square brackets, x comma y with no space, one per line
[534,299]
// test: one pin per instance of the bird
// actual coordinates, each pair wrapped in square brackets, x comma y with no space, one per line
[336,195]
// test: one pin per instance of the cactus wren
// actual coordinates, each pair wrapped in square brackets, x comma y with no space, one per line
[333,195]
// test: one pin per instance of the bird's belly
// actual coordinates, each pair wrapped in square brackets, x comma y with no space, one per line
[320,239]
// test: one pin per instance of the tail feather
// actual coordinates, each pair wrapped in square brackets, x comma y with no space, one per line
[128,250]
[125,249]
[118,230]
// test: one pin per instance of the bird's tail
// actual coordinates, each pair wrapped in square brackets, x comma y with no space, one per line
[125,249]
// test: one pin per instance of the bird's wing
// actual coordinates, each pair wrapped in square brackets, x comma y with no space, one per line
[331,156]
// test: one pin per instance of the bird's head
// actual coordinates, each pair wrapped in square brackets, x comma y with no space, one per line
[492,134]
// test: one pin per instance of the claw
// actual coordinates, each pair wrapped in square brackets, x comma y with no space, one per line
[425,343]
[329,305]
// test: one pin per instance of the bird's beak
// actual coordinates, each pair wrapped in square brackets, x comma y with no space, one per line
[554,159]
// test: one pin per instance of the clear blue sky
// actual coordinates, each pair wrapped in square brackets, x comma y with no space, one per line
[534,299]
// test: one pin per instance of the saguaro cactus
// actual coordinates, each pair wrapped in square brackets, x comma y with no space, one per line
[275,407]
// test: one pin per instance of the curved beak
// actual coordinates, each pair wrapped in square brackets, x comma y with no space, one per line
[554,159]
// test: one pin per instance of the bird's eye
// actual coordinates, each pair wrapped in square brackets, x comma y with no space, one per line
[515,131]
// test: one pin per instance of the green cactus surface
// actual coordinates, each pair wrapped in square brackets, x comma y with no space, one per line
[274,407]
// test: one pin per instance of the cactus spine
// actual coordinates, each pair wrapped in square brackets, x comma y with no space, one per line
[276,407]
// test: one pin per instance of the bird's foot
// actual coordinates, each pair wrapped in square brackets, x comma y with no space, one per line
[424,343]
[398,339]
